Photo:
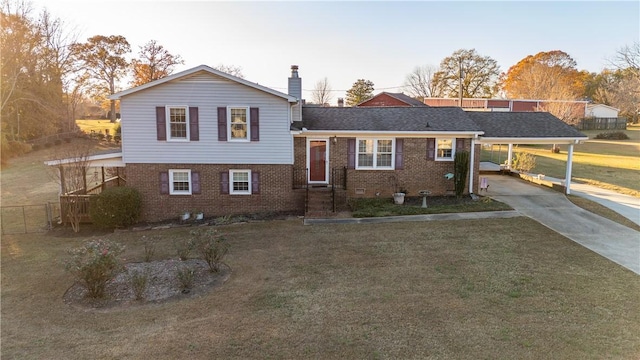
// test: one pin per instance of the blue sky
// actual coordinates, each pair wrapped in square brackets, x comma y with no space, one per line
[345,41]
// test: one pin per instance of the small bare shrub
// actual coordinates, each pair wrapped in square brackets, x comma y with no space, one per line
[94,264]
[186,276]
[212,246]
[524,162]
[138,282]
[183,248]
[150,246]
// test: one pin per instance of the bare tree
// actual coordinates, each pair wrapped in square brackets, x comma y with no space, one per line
[420,82]
[71,174]
[479,75]
[628,57]
[626,89]
[230,69]
[154,62]
[321,93]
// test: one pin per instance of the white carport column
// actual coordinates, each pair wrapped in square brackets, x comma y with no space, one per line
[471,164]
[567,176]
[510,156]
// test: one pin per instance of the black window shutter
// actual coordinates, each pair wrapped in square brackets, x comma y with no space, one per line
[351,153]
[195,182]
[431,149]
[399,155]
[254,118]
[164,182]
[255,182]
[224,182]
[222,124]
[161,123]
[194,131]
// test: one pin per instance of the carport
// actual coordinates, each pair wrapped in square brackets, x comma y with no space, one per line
[528,128]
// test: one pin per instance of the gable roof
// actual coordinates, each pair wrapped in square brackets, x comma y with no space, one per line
[206,69]
[386,119]
[591,106]
[523,125]
[398,96]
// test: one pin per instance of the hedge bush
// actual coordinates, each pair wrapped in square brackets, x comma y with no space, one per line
[116,207]
[613,135]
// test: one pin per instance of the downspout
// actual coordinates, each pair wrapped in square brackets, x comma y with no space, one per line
[472,165]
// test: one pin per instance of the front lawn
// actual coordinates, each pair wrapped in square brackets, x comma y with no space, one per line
[468,289]
[376,207]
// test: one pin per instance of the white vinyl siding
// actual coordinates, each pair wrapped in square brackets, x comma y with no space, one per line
[180,182]
[207,93]
[375,154]
[445,149]
[240,182]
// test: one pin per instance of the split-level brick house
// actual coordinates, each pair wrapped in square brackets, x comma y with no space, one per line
[203,139]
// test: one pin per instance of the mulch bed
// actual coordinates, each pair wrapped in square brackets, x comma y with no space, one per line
[162,284]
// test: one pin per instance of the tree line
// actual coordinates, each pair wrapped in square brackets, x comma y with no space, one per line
[47,72]
[550,75]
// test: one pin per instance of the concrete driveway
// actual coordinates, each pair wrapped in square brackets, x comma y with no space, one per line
[616,242]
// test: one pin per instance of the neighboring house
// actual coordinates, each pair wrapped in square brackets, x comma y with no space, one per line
[391,99]
[202,139]
[601,111]
[576,109]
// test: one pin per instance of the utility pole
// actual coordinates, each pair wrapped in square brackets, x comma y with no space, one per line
[461,73]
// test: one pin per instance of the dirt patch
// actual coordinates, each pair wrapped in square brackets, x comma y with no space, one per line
[162,285]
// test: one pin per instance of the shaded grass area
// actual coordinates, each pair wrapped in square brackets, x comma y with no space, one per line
[603,211]
[26,180]
[470,289]
[376,207]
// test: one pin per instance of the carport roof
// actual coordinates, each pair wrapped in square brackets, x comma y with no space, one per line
[525,125]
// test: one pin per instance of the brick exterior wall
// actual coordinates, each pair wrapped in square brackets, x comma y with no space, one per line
[383,100]
[418,173]
[276,193]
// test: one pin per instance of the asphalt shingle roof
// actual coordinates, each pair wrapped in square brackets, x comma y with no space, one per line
[421,119]
[522,125]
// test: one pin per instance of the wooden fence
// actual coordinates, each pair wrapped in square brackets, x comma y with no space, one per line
[602,124]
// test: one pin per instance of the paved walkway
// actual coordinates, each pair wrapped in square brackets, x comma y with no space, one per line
[552,209]
[625,205]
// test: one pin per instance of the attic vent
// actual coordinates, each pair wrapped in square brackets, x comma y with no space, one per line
[360,191]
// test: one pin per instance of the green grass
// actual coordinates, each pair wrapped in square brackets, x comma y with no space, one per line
[385,207]
[611,164]
[468,289]
[98,126]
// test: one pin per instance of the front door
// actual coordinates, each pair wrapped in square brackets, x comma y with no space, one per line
[318,161]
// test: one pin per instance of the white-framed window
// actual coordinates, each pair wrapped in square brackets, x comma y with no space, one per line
[180,182]
[238,123]
[177,123]
[240,182]
[375,154]
[445,149]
